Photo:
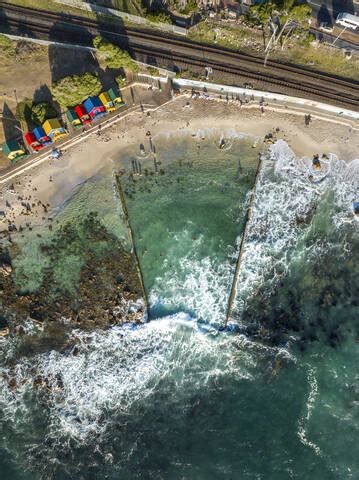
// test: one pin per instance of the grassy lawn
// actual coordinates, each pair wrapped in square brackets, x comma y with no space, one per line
[53,6]
[323,58]
[226,35]
[250,40]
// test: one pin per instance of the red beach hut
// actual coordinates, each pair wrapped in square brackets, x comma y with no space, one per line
[32,141]
[82,114]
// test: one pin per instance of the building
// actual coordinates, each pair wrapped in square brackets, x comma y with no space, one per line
[107,101]
[73,118]
[115,96]
[347,20]
[33,142]
[94,107]
[82,113]
[231,8]
[41,136]
[53,129]
[13,150]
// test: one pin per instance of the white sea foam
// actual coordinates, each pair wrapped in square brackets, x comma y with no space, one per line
[304,420]
[197,285]
[118,371]
[285,203]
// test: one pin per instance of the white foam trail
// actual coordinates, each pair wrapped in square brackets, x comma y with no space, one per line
[285,202]
[313,393]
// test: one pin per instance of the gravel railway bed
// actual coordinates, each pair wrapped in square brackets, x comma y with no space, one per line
[280,78]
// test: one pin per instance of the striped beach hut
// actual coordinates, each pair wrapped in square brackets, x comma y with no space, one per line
[41,136]
[107,102]
[13,150]
[32,141]
[73,118]
[53,129]
[82,113]
[94,107]
[115,96]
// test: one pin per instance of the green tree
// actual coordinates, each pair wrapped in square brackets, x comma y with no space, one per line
[34,114]
[23,111]
[191,7]
[261,14]
[41,112]
[113,56]
[160,17]
[283,16]
[74,89]
[121,81]
[292,15]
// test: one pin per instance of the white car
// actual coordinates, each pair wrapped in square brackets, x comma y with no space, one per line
[326,27]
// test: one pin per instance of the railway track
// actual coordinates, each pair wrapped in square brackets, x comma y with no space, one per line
[281,78]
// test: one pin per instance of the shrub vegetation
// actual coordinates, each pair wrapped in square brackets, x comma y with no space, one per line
[74,89]
[34,114]
[112,56]
[6,46]
[121,81]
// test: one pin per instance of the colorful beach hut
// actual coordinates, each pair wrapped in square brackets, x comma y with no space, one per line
[53,129]
[115,96]
[107,102]
[94,107]
[82,113]
[32,141]
[13,150]
[41,136]
[73,118]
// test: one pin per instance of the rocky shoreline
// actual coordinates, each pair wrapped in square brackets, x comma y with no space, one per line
[108,292]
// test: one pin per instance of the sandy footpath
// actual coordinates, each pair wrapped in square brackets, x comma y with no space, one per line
[50,184]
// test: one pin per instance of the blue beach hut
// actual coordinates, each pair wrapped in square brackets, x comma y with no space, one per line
[41,136]
[94,107]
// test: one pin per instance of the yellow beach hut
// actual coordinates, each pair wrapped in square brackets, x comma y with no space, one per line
[13,150]
[53,129]
[107,101]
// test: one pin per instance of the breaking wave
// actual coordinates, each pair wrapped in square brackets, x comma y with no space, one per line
[195,285]
[288,195]
[111,375]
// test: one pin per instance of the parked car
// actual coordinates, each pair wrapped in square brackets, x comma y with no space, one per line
[326,27]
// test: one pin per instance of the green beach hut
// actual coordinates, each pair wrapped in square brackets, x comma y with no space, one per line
[73,118]
[13,150]
[115,96]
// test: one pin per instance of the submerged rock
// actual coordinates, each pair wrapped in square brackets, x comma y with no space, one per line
[5,269]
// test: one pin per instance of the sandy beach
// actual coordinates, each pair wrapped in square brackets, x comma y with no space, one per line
[47,186]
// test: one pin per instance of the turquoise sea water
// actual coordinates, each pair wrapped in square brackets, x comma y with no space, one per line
[187,222]
[172,400]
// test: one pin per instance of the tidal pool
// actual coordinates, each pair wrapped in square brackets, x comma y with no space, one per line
[188,219]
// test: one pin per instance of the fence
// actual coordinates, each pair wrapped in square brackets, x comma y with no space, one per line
[90,7]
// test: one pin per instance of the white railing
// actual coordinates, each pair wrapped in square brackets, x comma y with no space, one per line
[280,98]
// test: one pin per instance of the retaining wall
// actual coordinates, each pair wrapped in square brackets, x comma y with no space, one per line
[280,98]
[90,7]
